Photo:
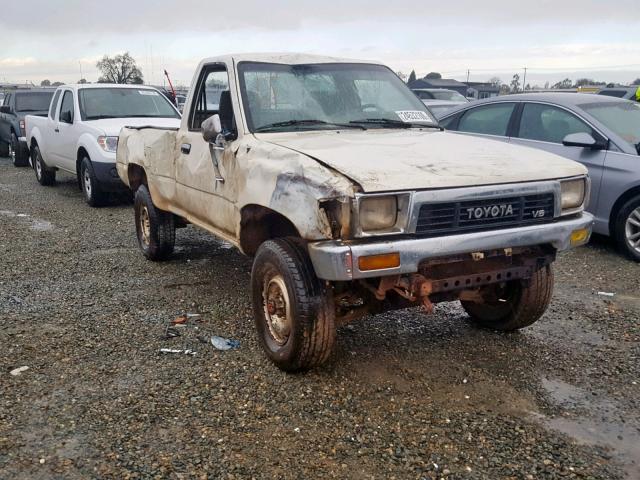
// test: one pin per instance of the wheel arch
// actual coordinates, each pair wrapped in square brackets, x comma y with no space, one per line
[136,176]
[80,155]
[259,224]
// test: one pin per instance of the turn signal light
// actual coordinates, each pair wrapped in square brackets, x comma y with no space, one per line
[578,237]
[379,262]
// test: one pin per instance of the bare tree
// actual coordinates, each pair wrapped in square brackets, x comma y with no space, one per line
[119,69]
[515,84]
[495,81]
[636,82]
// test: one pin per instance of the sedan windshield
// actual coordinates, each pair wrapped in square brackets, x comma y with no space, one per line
[621,117]
[98,103]
[448,95]
[280,97]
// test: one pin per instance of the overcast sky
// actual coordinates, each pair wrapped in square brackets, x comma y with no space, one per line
[54,39]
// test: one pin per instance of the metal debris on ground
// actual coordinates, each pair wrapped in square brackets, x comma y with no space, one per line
[17,371]
[184,318]
[224,343]
[171,350]
[607,294]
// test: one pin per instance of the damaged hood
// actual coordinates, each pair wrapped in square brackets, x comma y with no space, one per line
[382,160]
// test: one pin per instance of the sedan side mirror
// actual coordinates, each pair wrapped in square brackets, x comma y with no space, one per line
[5,109]
[211,128]
[583,140]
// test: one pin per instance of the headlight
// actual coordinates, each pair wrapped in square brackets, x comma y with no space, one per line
[378,213]
[108,144]
[573,193]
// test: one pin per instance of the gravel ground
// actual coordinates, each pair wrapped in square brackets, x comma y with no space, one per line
[405,395]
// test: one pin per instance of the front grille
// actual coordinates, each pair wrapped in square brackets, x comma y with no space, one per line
[475,215]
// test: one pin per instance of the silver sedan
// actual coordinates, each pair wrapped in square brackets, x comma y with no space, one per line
[601,132]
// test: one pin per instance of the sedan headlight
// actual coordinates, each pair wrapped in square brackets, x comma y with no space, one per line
[108,144]
[573,194]
[378,213]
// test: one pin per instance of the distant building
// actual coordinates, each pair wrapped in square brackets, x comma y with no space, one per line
[479,90]
[446,83]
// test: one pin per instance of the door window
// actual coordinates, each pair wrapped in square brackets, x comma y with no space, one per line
[547,123]
[54,104]
[213,82]
[67,107]
[488,119]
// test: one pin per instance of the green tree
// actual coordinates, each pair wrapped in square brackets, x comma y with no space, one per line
[515,83]
[119,69]
[412,76]
[45,83]
[636,82]
[433,76]
[566,83]
[82,81]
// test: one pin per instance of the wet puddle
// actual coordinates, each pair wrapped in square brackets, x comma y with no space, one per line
[591,420]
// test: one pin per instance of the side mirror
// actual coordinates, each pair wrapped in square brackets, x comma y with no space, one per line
[65,116]
[583,140]
[5,109]
[211,128]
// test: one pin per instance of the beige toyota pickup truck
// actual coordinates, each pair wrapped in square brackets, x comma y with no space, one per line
[351,199]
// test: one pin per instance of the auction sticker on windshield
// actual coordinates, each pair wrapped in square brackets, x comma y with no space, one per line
[148,92]
[414,116]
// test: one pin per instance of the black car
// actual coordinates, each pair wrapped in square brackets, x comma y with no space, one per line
[16,105]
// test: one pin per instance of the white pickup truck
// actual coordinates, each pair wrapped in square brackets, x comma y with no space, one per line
[80,133]
[335,177]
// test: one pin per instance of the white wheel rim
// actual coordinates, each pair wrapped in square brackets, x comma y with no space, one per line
[277,309]
[12,153]
[38,167]
[87,183]
[632,230]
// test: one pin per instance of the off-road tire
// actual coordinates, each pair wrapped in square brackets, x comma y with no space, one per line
[619,228]
[525,304]
[20,156]
[160,238]
[93,194]
[45,175]
[312,312]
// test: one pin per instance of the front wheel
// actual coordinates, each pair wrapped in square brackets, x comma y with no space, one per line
[17,152]
[627,229]
[515,304]
[45,176]
[155,228]
[293,310]
[93,194]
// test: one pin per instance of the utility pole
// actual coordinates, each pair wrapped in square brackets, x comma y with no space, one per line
[468,72]
[524,80]
[80,63]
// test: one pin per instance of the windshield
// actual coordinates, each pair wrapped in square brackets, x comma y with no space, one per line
[97,103]
[33,101]
[323,96]
[448,95]
[621,117]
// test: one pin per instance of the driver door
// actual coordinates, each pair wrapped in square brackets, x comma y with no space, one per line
[204,181]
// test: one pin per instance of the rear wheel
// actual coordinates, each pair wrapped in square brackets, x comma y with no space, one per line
[627,229]
[93,194]
[293,309]
[513,305]
[45,175]
[17,152]
[155,228]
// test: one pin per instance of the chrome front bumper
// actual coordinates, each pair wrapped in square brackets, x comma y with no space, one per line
[338,260]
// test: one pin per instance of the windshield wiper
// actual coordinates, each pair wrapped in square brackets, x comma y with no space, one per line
[393,123]
[100,117]
[310,122]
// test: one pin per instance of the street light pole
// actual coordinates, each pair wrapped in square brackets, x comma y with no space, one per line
[524,80]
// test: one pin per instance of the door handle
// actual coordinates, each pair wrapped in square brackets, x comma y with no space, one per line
[185,148]
[57,130]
